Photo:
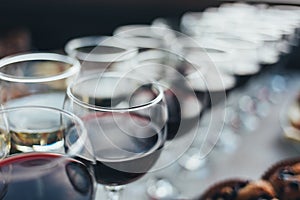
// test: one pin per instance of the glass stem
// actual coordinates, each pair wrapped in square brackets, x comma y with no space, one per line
[113,192]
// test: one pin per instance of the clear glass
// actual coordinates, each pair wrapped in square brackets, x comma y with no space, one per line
[257,36]
[126,118]
[51,139]
[245,54]
[145,37]
[102,53]
[238,25]
[214,78]
[36,79]
[186,86]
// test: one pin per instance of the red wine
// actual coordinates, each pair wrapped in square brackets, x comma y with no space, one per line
[44,176]
[184,109]
[126,146]
[216,85]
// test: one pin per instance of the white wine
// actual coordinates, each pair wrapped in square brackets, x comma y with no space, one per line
[5,143]
[27,141]
[36,130]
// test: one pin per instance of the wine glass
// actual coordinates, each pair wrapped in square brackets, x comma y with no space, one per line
[101,53]
[126,118]
[169,68]
[49,170]
[145,37]
[36,79]
[218,84]
[185,106]
[194,85]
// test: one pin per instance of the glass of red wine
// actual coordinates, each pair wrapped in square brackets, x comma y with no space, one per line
[126,119]
[49,168]
[157,60]
[195,87]
[36,79]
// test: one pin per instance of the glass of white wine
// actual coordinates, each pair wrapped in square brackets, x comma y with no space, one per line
[35,79]
[49,166]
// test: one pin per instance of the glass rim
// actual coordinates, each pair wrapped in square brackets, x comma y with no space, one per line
[138,30]
[71,48]
[152,54]
[157,99]
[143,35]
[27,57]
[205,44]
[78,145]
[287,7]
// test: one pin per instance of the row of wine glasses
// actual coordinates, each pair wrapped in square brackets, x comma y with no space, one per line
[124,116]
[153,61]
[41,79]
[138,98]
[238,51]
[243,50]
[40,141]
[202,60]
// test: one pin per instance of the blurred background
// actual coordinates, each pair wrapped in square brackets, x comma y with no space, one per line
[49,24]
[254,106]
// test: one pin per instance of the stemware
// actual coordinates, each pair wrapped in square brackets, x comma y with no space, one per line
[102,53]
[158,61]
[125,117]
[49,170]
[184,106]
[36,79]
[192,86]
[145,37]
[218,85]
[186,103]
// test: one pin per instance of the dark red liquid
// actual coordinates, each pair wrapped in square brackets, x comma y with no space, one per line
[215,98]
[126,146]
[184,110]
[44,176]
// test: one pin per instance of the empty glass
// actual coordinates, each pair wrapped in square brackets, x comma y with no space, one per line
[102,53]
[145,37]
[36,79]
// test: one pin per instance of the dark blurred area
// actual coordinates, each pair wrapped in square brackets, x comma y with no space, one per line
[47,25]
[51,23]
